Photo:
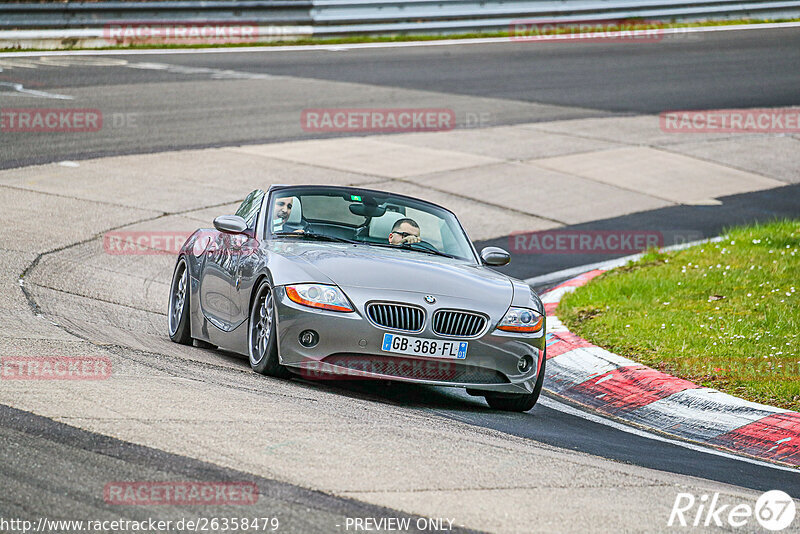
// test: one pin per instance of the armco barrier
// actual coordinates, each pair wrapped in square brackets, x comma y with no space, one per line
[81,23]
[53,15]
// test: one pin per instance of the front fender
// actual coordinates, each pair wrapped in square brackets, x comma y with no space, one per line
[526,297]
[286,268]
[195,248]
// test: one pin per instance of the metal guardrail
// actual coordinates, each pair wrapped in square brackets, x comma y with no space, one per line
[342,17]
[361,11]
[352,17]
[99,14]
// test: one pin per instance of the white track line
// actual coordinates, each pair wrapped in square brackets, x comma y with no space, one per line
[567,409]
[22,91]
[404,44]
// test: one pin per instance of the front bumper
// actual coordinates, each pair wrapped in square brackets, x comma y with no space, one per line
[349,347]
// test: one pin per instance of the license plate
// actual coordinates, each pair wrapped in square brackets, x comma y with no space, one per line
[433,348]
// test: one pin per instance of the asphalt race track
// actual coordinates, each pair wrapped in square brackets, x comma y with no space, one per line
[88,457]
[50,460]
[222,102]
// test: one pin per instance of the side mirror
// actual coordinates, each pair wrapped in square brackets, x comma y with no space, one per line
[230,224]
[495,256]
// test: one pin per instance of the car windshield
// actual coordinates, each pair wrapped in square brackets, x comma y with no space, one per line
[366,217]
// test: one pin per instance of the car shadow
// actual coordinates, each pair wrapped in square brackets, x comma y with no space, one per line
[444,400]
[407,394]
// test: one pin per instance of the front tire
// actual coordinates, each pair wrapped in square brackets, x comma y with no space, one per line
[262,338]
[180,330]
[518,403]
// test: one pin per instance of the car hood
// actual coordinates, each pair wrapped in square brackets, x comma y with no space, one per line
[379,268]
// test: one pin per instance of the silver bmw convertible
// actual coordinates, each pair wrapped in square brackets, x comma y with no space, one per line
[338,282]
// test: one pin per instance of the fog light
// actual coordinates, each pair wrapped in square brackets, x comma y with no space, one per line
[524,364]
[308,338]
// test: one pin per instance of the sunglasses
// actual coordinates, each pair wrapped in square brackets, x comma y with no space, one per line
[404,234]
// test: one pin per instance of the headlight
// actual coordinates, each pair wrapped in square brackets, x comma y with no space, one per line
[521,320]
[319,296]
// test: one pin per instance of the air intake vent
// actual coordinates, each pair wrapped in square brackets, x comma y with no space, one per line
[458,323]
[397,316]
[415,369]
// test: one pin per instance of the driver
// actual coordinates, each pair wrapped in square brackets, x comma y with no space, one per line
[281,211]
[404,231]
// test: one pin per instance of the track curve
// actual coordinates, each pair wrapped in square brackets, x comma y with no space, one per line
[419,450]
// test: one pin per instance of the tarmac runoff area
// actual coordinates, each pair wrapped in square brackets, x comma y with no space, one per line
[80,300]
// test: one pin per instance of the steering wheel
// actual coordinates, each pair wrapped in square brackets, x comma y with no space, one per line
[424,244]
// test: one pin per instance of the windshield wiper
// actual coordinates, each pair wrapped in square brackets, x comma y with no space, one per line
[311,235]
[335,239]
[409,246]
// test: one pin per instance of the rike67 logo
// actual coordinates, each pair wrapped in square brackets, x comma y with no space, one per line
[774,510]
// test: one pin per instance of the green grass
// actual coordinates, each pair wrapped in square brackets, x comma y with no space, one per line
[354,39]
[725,315]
